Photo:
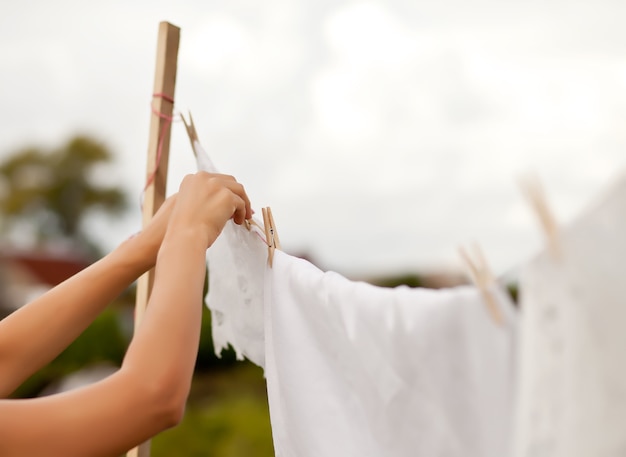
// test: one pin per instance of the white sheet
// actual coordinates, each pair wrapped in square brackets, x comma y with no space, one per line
[572,398]
[357,370]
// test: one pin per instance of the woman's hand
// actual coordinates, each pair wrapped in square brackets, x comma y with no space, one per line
[204,204]
[155,377]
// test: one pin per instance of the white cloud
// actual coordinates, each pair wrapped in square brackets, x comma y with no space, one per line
[353,120]
[218,43]
[367,34]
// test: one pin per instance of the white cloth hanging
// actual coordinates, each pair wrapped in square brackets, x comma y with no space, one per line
[236,264]
[358,370]
[572,397]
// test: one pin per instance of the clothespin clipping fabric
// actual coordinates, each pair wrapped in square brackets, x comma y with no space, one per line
[533,191]
[271,235]
[482,277]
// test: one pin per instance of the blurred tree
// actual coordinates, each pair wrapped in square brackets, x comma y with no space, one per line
[408,279]
[227,416]
[53,191]
[102,341]
[206,359]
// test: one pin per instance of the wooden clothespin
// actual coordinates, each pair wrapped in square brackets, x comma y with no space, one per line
[271,235]
[533,190]
[483,278]
[250,222]
[191,132]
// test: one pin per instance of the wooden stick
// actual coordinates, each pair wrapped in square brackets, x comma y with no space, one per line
[154,196]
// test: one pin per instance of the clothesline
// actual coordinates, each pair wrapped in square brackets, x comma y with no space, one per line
[357,370]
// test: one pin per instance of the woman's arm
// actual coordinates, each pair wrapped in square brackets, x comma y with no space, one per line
[148,393]
[36,333]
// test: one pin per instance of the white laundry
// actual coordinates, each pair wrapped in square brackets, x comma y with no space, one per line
[572,389]
[236,263]
[358,370]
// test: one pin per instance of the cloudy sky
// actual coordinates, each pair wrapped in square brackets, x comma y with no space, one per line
[382,134]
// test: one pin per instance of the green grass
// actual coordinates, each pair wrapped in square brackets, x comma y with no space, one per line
[227,416]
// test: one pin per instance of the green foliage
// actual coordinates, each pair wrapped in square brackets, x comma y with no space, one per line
[102,341]
[513,290]
[411,280]
[230,427]
[207,359]
[53,190]
[206,351]
[229,419]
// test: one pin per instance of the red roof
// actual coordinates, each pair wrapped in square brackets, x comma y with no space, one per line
[49,269]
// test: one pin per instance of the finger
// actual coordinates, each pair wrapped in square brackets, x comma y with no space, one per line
[230,183]
[239,215]
[240,191]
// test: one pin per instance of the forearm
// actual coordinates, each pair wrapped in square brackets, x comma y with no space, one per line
[164,348]
[40,330]
[154,380]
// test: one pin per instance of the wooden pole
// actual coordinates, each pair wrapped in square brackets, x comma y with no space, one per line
[158,145]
